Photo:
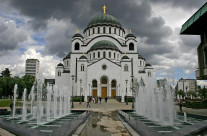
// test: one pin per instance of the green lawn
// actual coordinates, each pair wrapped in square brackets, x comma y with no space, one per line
[7,102]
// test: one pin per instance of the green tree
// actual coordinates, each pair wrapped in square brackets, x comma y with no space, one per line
[180,92]
[203,93]
[9,86]
[21,85]
[6,73]
[29,81]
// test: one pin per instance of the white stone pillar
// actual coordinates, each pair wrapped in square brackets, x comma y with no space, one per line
[109,91]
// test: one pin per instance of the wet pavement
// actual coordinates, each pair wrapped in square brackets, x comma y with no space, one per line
[104,124]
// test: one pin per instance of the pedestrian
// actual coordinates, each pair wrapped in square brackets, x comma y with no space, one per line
[96,99]
[181,105]
[93,100]
[100,99]
[106,99]
[88,103]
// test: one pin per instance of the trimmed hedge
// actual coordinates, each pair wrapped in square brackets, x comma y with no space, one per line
[77,99]
[7,102]
[195,104]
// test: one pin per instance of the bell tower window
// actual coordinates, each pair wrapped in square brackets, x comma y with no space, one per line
[98,30]
[131,46]
[104,30]
[77,46]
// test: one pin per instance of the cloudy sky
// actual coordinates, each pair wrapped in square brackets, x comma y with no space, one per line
[43,29]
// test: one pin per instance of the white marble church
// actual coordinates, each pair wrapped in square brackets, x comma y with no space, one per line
[102,61]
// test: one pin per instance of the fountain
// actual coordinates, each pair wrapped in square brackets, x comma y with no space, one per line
[185,117]
[14,101]
[24,107]
[155,101]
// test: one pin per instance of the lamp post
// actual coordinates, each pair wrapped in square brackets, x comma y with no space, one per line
[126,92]
[132,92]
[80,91]
[72,106]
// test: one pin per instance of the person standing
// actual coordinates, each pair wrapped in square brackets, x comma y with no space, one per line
[100,99]
[181,105]
[106,99]
[88,103]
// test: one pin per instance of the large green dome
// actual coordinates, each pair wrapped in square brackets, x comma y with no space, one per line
[104,19]
[104,44]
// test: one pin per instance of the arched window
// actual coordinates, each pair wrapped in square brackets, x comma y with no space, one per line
[77,46]
[94,83]
[67,63]
[119,32]
[104,55]
[131,46]
[109,54]
[140,63]
[114,55]
[82,67]
[89,32]
[109,30]
[149,74]
[113,83]
[59,73]
[94,56]
[93,31]
[98,30]
[104,30]
[125,67]
[115,30]
[104,81]
[90,56]
[98,54]
[117,56]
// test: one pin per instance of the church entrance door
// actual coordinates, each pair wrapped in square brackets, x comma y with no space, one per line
[113,93]
[104,92]
[94,93]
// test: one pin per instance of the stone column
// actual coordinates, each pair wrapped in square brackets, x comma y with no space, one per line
[109,91]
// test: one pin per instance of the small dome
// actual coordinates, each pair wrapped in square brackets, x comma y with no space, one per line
[77,35]
[140,57]
[125,57]
[83,57]
[104,19]
[67,56]
[60,64]
[130,35]
[148,65]
[104,45]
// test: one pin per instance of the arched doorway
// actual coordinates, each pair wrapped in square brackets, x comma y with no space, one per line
[104,82]
[113,88]
[94,88]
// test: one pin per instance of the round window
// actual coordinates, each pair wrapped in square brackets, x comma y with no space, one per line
[104,67]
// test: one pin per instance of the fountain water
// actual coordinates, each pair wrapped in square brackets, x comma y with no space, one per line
[24,107]
[185,117]
[14,101]
[155,101]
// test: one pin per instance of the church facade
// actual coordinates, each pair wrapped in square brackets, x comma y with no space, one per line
[103,61]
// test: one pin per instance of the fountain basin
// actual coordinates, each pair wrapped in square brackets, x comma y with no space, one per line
[65,125]
[146,127]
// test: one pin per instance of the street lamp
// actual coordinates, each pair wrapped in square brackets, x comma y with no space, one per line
[132,92]
[80,91]
[89,90]
[126,92]
[72,106]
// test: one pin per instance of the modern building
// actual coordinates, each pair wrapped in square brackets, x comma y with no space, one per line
[187,85]
[32,67]
[197,25]
[103,61]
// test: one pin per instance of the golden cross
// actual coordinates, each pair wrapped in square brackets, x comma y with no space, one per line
[130,31]
[104,9]
[78,30]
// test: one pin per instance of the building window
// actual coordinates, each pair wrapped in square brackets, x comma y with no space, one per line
[109,54]
[114,55]
[98,54]
[125,67]
[140,63]
[119,32]
[93,31]
[131,46]
[104,30]
[89,32]
[114,30]
[98,30]
[67,63]
[82,67]
[77,46]
[113,83]
[104,54]
[117,56]
[59,73]
[94,83]
[109,30]
[149,74]
[104,81]
[104,67]
[94,55]
[90,56]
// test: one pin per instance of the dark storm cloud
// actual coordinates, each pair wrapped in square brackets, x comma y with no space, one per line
[187,4]
[132,15]
[10,37]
